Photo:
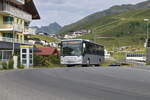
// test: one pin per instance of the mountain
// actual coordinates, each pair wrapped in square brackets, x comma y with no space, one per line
[52,28]
[89,21]
[126,28]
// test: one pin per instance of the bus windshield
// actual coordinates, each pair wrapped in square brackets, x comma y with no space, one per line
[72,48]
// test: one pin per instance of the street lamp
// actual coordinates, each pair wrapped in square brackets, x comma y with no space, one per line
[13,52]
[147,20]
[147,45]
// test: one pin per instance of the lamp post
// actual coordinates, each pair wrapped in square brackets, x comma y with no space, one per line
[147,45]
[13,52]
[147,37]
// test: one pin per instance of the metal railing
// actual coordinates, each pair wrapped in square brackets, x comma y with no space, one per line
[6,39]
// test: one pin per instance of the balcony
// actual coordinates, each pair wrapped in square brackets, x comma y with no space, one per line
[16,28]
[8,9]
[5,39]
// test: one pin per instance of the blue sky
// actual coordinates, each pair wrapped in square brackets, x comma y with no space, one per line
[68,11]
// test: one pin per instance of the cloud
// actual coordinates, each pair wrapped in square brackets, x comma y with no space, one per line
[69,11]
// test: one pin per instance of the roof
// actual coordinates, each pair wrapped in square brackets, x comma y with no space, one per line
[31,8]
[74,40]
[45,51]
[81,40]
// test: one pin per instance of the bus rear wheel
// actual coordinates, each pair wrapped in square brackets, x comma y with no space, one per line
[88,63]
[97,65]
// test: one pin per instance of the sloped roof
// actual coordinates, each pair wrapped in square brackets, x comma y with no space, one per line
[31,8]
[46,51]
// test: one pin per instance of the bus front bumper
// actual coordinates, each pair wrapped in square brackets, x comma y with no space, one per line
[68,60]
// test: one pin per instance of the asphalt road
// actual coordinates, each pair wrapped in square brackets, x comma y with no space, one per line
[75,84]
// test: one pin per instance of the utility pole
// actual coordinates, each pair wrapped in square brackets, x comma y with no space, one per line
[147,30]
[94,36]
[13,32]
[147,34]
[147,44]
[13,52]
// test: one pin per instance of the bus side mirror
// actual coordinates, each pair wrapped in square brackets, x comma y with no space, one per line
[84,46]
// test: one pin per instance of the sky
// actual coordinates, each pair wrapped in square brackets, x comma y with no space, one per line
[66,12]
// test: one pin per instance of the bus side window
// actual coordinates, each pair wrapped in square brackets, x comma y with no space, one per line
[88,49]
[99,50]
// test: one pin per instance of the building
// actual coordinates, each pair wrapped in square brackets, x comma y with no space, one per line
[31,30]
[42,33]
[107,54]
[48,51]
[15,17]
[84,31]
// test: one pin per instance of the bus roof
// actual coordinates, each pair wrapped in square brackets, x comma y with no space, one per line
[75,40]
[80,40]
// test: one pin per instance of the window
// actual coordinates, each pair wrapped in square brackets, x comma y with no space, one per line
[24,61]
[17,21]
[94,49]
[8,35]
[89,48]
[31,61]
[24,50]
[26,24]
[21,21]
[8,20]
[30,50]
[17,36]
[30,56]
[72,48]
[24,56]
[0,55]
[7,55]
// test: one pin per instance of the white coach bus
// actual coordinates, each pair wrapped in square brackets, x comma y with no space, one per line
[81,52]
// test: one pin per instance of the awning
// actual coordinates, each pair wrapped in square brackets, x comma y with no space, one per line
[9,46]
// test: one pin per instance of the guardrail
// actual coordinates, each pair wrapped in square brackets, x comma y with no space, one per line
[5,39]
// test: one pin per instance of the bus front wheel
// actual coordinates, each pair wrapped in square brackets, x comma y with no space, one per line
[70,65]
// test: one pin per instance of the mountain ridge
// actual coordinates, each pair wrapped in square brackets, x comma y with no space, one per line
[52,28]
[89,21]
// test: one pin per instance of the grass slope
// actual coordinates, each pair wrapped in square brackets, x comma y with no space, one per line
[126,29]
[44,38]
